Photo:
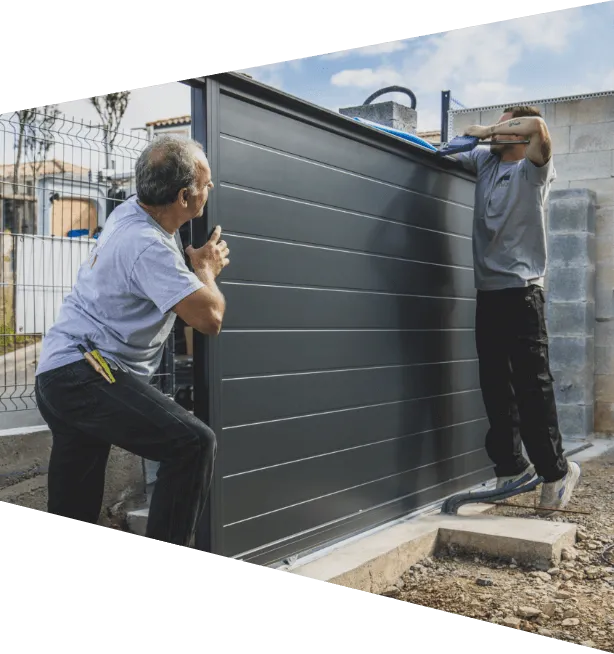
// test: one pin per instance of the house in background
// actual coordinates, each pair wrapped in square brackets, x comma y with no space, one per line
[58,198]
[178,126]
[21,201]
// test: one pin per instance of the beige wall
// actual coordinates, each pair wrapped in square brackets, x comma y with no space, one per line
[583,141]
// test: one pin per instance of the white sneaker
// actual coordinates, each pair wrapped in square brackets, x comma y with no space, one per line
[502,482]
[557,494]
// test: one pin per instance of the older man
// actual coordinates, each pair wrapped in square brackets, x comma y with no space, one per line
[122,308]
[509,247]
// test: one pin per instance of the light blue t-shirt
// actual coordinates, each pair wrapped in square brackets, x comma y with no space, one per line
[509,229]
[121,302]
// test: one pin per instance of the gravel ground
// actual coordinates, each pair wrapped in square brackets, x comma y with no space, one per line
[574,602]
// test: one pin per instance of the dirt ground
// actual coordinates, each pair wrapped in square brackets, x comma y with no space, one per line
[574,602]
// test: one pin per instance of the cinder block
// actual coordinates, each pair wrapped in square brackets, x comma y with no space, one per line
[462,121]
[558,186]
[592,138]
[585,111]
[576,421]
[604,333]
[604,304]
[571,284]
[561,143]
[583,165]
[604,188]
[572,210]
[604,359]
[604,418]
[571,249]
[391,114]
[604,249]
[605,219]
[604,388]
[570,318]
[572,387]
[573,354]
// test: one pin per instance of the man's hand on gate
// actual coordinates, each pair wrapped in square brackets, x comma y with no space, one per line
[212,255]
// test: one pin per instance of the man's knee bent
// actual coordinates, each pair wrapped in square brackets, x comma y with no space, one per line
[202,443]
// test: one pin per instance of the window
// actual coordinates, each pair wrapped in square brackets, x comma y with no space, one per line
[18,216]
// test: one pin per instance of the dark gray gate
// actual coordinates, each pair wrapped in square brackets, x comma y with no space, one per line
[343,388]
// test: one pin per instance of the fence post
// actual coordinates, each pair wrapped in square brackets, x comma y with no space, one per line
[445,110]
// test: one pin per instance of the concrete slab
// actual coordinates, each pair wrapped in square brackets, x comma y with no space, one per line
[376,562]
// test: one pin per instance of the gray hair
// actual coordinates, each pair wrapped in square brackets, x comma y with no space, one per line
[166,165]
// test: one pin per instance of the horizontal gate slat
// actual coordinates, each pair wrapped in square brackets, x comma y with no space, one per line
[263,170]
[273,353]
[271,262]
[258,125]
[269,216]
[272,443]
[273,307]
[247,401]
[245,536]
[262,491]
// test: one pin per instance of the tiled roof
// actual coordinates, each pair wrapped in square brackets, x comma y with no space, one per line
[170,122]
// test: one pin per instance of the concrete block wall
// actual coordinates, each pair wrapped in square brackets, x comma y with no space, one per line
[582,133]
[571,308]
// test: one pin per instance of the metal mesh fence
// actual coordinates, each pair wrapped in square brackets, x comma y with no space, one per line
[59,181]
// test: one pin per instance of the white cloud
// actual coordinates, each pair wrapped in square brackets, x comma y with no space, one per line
[367,78]
[491,93]
[475,62]
[271,75]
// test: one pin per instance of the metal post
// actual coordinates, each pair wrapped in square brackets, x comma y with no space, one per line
[445,109]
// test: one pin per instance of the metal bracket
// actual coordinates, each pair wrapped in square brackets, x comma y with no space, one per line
[524,485]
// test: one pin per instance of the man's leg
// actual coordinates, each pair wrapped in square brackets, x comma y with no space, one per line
[137,417]
[503,443]
[533,384]
[77,469]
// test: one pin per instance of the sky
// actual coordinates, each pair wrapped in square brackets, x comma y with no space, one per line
[546,56]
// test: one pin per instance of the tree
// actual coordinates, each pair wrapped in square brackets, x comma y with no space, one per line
[111,109]
[34,140]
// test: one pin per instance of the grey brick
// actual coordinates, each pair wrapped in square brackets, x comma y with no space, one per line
[604,188]
[572,354]
[592,138]
[574,387]
[570,318]
[576,421]
[604,332]
[604,359]
[391,114]
[560,140]
[573,249]
[572,210]
[585,112]
[571,284]
[584,165]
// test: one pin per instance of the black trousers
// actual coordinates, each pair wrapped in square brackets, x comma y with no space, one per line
[516,382]
[86,415]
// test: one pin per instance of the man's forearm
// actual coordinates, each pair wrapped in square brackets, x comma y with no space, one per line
[206,276]
[525,126]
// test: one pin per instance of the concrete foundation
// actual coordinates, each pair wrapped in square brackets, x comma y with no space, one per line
[24,461]
[376,562]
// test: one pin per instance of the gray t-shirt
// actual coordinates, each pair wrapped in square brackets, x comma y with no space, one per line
[121,302]
[509,232]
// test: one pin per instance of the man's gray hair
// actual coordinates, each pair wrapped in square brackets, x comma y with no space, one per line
[166,165]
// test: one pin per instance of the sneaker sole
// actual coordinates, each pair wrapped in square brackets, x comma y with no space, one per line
[530,470]
[546,511]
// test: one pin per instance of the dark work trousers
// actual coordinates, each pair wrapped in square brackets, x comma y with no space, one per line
[86,415]
[516,382]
